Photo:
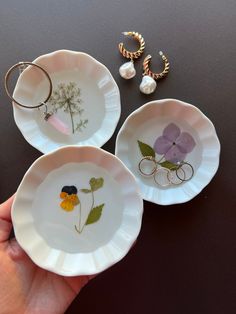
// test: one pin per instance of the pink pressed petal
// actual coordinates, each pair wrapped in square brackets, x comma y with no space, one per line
[58,124]
[174,154]
[171,132]
[185,142]
[162,145]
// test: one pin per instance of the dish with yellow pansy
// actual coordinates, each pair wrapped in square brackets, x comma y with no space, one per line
[77,211]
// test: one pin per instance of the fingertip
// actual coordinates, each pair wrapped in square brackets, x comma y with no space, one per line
[5,209]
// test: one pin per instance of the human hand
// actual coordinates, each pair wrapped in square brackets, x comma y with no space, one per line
[24,287]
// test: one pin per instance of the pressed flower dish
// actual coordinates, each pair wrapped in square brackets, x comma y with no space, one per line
[173,137]
[77,211]
[85,102]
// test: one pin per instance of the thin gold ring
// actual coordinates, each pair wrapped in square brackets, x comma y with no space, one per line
[191,167]
[149,158]
[173,169]
[20,64]
[155,179]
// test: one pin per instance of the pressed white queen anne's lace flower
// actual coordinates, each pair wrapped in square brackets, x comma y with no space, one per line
[67,98]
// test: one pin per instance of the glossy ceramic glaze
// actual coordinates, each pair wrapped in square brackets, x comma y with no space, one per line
[94,101]
[93,233]
[146,124]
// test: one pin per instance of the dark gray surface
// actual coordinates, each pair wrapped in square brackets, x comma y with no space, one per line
[185,259]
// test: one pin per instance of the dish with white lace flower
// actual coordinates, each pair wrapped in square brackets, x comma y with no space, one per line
[84,106]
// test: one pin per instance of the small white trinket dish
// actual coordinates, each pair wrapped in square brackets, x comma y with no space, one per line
[77,211]
[85,100]
[184,135]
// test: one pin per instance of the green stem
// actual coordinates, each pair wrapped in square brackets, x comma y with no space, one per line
[80,213]
[71,116]
[89,211]
[158,161]
[92,201]
[78,229]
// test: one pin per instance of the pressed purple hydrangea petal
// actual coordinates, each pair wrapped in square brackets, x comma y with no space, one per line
[162,145]
[171,132]
[185,142]
[174,154]
[173,144]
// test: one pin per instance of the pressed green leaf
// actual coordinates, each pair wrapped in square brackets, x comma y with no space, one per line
[146,150]
[85,190]
[169,165]
[96,183]
[94,214]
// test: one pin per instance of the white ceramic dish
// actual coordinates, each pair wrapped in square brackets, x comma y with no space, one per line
[79,240]
[95,96]
[147,124]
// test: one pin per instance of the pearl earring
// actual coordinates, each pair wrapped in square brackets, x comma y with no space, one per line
[148,84]
[127,70]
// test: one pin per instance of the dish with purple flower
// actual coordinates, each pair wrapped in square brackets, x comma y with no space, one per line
[172,149]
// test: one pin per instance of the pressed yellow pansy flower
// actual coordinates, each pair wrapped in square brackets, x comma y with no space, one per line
[70,198]
[73,198]
[67,205]
[63,195]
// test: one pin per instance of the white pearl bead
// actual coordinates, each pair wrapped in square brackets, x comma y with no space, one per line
[127,70]
[148,85]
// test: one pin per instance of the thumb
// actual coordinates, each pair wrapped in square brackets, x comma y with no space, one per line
[5,219]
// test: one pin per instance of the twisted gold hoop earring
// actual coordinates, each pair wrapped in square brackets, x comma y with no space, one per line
[127,70]
[148,84]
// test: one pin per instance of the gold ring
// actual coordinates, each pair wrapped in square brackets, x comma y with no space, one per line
[149,158]
[172,170]
[185,179]
[155,177]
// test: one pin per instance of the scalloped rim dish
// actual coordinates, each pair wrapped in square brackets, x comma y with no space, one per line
[147,123]
[77,260]
[100,101]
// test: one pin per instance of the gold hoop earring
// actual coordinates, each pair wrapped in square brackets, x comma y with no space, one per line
[127,70]
[148,84]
